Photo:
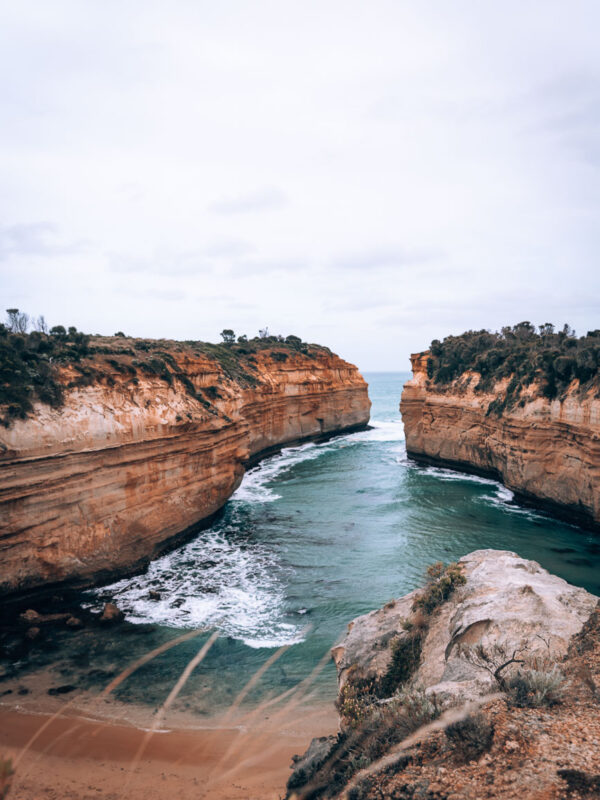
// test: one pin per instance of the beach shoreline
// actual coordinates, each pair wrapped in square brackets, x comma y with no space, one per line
[246,756]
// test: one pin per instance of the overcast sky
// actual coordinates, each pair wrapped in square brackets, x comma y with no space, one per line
[367,175]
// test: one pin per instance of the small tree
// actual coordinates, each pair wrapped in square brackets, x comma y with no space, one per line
[41,325]
[17,321]
[242,339]
[59,331]
[119,333]
[263,333]
[228,336]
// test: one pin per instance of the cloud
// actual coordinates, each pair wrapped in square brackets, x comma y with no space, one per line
[228,248]
[383,257]
[161,262]
[34,239]
[267,199]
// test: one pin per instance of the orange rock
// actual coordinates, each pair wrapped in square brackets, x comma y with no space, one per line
[126,470]
[547,452]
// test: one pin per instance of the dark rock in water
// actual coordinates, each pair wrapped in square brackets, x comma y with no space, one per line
[33,634]
[30,617]
[306,766]
[111,613]
[154,595]
[74,622]
[6,691]
[55,690]
[563,550]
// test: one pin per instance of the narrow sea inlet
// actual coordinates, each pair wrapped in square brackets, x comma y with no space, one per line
[314,537]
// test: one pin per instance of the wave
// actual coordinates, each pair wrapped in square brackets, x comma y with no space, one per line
[214,581]
[255,486]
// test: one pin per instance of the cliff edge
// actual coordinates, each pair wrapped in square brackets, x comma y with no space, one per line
[140,441]
[481,684]
[545,448]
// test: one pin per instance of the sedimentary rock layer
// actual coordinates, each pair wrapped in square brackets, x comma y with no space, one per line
[546,451]
[126,467]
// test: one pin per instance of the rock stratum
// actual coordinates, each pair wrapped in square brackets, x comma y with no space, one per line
[494,692]
[140,452]
[547,451]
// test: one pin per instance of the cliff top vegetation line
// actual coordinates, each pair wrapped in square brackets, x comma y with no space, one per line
[524,355]
[31,362]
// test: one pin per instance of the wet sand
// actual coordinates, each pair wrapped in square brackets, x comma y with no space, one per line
[80,759]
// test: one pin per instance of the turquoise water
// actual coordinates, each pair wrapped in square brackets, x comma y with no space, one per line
[314,537]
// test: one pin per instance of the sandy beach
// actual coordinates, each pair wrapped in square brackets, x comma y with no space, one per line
[83,758]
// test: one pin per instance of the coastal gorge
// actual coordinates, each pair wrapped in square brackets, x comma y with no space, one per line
[114,450]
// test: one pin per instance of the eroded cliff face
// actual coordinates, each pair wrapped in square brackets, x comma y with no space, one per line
[546,451]
[126,467]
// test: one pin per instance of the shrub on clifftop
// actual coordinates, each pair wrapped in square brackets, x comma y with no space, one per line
[519,353]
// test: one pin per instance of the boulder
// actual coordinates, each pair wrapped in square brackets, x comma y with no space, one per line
[30,617]
[32,633]
[111,613]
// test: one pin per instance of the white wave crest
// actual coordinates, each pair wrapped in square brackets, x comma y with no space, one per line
[213,582]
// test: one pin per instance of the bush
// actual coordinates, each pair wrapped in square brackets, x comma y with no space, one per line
[522,355]
[442,581]
[470,737]
[533,687]
[406,656]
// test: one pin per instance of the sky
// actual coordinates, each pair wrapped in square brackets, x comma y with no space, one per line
[366,175]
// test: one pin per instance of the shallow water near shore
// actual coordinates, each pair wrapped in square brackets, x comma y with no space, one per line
[314,537]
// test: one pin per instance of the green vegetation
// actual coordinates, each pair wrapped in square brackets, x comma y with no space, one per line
[441,582]
[536,685]
[521,354]
[470,737]
[386,725]
[28,368]
[360,692]
[40,365]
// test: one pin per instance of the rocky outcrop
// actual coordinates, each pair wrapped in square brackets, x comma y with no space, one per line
[129,466]
[546,451]
[507,604]
[500,702]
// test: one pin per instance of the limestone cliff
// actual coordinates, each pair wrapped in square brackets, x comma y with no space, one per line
[506,602]
[481,686]
[546,451]
[128,464]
